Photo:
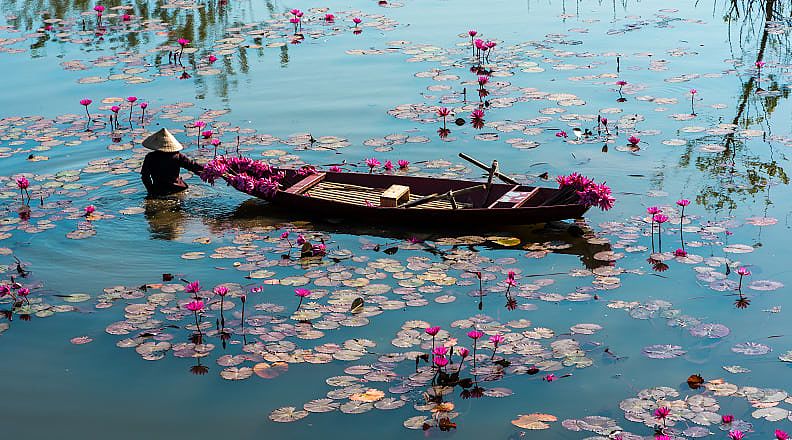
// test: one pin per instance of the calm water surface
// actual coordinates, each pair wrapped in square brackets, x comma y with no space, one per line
[554,68]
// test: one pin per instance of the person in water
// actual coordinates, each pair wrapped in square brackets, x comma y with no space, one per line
[160,170]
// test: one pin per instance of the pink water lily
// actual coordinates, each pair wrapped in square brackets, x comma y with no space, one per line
[372,163]
[86,102]
[403,164]
[477,118]
[357,21]
[633,140]
[440,361]
[496,340]
[727,418]
[302,293]
[440,351]
[432,331]
[329,18]
[388,165]
[742,272]
[193,287]
[90,209]
[781,435]
[549,378]
[195,306]
[23,184]
[662,413]
[736,434]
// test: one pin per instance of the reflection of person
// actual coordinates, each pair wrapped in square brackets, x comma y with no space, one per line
[160,170]
[165,218]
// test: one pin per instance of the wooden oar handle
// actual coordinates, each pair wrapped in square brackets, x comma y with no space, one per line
[449,194]
[498,174]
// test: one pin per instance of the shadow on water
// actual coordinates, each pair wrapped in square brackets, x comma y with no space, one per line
[168,218]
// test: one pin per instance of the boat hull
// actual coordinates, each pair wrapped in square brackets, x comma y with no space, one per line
[325,209]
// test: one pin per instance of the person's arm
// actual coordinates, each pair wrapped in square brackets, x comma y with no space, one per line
[145,175]
[189,164]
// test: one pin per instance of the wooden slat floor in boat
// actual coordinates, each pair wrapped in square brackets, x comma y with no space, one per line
[359,195]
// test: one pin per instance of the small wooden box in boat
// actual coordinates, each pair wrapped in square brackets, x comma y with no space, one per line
[394,195]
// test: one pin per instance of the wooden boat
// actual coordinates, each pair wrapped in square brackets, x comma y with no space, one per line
[415,201]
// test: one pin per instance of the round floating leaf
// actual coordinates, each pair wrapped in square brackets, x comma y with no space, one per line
[751,348]
[533,421]
[712,331]
[663,351]
[371,395]
[287,414]
[81,340]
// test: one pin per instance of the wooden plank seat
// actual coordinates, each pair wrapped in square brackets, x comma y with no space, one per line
[514,199]
[359,195]
[306,183]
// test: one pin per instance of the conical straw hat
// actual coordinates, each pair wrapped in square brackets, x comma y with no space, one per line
[164,141]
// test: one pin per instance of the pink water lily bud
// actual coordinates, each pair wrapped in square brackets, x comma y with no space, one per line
[475,334]
[22,182]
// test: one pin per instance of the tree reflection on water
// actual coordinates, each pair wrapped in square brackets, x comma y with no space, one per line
[739,172]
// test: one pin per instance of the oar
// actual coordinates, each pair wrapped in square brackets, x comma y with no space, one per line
[436,196]
[486,168]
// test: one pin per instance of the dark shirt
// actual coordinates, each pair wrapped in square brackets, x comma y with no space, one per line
[160,172]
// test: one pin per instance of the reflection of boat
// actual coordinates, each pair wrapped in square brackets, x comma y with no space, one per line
[423,201]
[556,237]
